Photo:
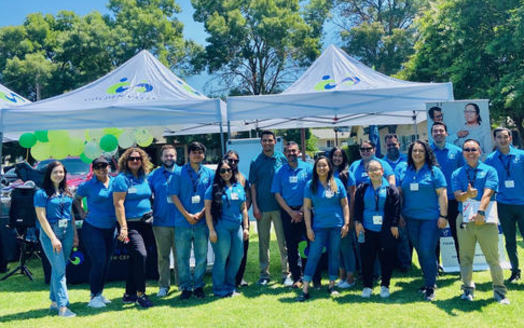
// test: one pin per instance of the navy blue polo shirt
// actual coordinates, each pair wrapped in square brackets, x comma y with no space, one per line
[510,170]
[164,211]
[481,177]
[138,197]
[100,208]
[261,172]
[449,159]
[56,207]
[290,183]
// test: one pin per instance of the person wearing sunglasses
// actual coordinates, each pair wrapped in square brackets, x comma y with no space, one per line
[475,185]
[164,212]
[132,201]
[367,153]
[226,215]
[233,159]
[509,163]
[187,190]
[98,227]
[288,187]
[425,209]
[53,207]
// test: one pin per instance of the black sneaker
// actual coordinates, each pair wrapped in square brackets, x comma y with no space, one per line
[317,285]
[186,294]
[199,292]
[429,294]
[128,299]
[515,275]
[144,301]
[303,297]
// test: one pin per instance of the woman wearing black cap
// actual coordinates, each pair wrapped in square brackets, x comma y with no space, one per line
[98,227]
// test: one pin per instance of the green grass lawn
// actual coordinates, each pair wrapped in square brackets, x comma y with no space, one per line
[25,303]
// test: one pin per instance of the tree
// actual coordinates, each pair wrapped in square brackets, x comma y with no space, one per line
[477,44]
[379,32]
[256,46]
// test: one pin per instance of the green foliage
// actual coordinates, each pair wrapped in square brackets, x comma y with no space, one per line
[379,32]
[478,45]
[256,45]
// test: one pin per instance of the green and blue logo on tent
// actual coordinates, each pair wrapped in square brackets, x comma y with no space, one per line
[327,83]
[11,97]
[124,85]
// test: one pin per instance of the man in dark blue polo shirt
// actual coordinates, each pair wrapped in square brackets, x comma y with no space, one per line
[393,155]
[509,163]
[265,207]
[288,188]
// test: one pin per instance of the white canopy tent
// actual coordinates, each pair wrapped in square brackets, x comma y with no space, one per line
[141,92]
[338,90]
[9,99]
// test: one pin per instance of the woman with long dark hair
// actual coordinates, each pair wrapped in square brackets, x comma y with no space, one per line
[132,201]
[53,206]
[425,208]
[339,159]
[233,159]
[326,213]
[225,206]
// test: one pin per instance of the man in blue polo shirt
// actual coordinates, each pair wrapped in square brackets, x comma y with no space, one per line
[164,212]
[265,207]
[367,153]
[187,189]
[449,158]
[509,163]
[288,188]
[475,185]
[393,155]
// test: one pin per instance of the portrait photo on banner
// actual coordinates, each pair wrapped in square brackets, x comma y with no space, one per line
[465,119]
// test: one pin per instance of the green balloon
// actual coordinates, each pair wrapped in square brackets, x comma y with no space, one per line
[108,142]
[41,151]
[59,149]
[57,135]
[27,140]
[41,135]
[76,146]
[85,159]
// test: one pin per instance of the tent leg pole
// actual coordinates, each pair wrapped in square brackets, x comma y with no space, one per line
[222,140]
[415,124]
[303,143]
[1,146]
[228,130]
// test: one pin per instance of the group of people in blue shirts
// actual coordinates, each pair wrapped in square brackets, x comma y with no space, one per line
[366,214]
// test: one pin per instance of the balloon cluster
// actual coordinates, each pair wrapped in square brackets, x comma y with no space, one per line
[88,144]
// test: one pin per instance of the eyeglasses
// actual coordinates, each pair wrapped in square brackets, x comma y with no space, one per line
[134,159]
[100,166]
[366,148]
[224,170]
[470,150]
[232,160]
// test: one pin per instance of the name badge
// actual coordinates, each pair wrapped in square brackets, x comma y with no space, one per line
[195,199]
[413,186]
[377,219]
[364,174]
[329,193]
[62,223]
[293,179]
[234,196]
[131,190]
[169,200]
[509,184]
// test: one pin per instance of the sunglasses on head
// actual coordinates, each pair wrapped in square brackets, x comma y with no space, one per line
[224,170]
[470,150]
[100,166]
[366,148]
[134,159]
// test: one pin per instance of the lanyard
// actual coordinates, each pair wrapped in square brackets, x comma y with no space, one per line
[471,180]
[61,204]
[505,165]
[166,174]
[376,194]
[194,180]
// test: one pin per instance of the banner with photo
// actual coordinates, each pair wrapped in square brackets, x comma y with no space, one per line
[465,119]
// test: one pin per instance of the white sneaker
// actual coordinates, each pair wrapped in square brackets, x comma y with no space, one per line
[288,282]
[105,300]
[345,285]
[66,313]
[96,302]
[384,292]
[162,292]
[366,292]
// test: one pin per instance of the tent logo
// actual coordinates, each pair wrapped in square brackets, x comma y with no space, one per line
[11,97]
[186,87]
[123,85]
[327,83]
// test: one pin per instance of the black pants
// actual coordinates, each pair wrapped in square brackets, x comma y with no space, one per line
[99,244]
[242,269]
[452,219]
[383,244]
[136,275]
[3,261]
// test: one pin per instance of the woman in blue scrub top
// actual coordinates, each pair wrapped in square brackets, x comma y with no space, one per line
[53,206]
[377,211]
[132,201]
[424,208]
[98,229]
[326,213]
[338,158]
[226,215]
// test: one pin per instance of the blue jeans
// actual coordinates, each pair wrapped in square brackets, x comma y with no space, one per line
[348,257]
[99,244]
[58,262]
[329,237]
[195,236]
[403,249]
[424,235]
[229,251]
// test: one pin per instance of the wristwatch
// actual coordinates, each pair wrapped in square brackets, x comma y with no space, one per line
[443,216]
[481,213]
